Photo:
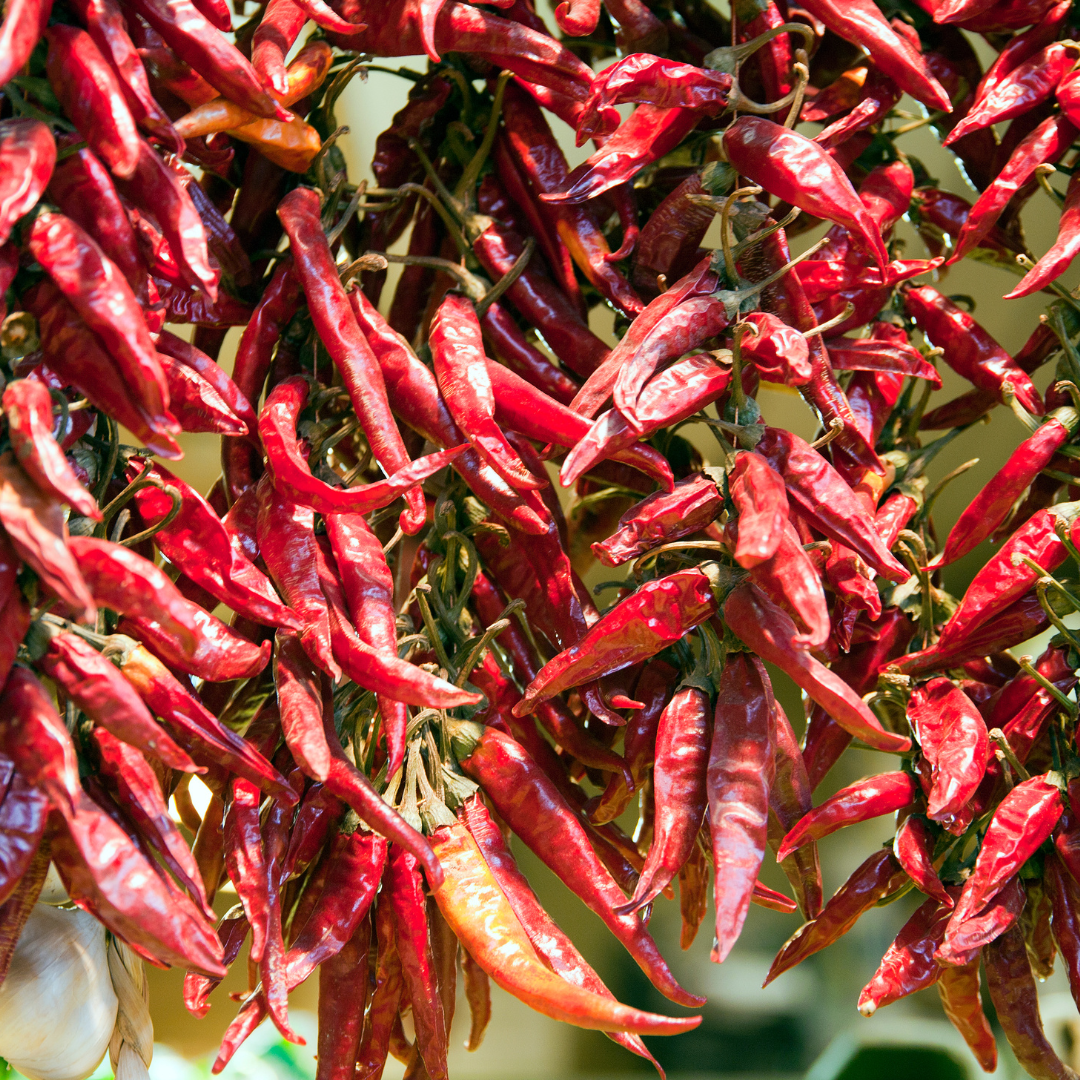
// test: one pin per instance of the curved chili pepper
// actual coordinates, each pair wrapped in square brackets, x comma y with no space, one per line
[1016,1001]
[1023,820]
[34,523]
[952,735]
[415,397]
[825,498]
[460,368]
[798,171]
[28,407]
[299,213]
[968,349]
[1022,89]
[210,53]
[292,474]
[661,518]
[195,359]
[679,791]
[91,95]
[27,153]
[913,848]
[95,288]
[499,944]
[771,634]
[1000,582]
[106,697]
[877,878]
[886,793]
[658,614]
[648,134]
[24,21]
[24,814]
[206,739]
[958,989]
[141,797]
[1058,259]
[534,809]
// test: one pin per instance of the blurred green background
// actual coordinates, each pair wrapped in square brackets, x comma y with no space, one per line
[807,1019]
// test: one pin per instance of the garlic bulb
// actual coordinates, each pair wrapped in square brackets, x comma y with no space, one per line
[57,1004]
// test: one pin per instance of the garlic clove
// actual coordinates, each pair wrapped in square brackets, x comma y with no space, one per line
[53,891]
[57,1004]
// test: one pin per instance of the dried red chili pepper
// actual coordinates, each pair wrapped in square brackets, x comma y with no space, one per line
[22,27]
[299,213]
[659,613]
[955,746]
[958,989]
[1058,259]
[499,944]
[534,809]
[27,149]
[877,878]
[886,793]
[1016,1001]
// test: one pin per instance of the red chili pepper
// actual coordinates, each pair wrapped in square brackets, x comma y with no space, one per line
[825,498]
[28,407]
[772,635]
[156,189]
[299,214]
[499,943]
[877,878]
[1058,259]
[106,697]
[1019,91]
[952,735]
[534,809]
[300,700]
[1023,820]
[913,848]
[1000,582]
[1016,1001]
[24,813]
[27,149]
[202,735]
[648,134]
[24,22]
[658,614]
[886,793]
[962,1004]
[909,964]
[968,349]
[91,95]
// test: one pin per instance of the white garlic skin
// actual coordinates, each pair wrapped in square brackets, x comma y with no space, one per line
[57,1005]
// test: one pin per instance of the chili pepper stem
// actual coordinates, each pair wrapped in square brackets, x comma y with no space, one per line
[1066,703]
[1040,589]
[1005,753]
[1043,174]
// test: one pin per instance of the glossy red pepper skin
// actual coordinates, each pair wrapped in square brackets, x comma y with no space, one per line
[999,582]
[886,793]
[1058,259]
[105,696]
[34,523]
[878,877]
[299,213]
[343,986]
[405,894]
[19,33]
[1025,817]
[94,286]
[91,95]
[27,405]
[909,964]
[958,989]
[1016,1001]
[659,613]
[955,746]
[968,349]
[771,634]
[415,397]
[27,152]
[529,802]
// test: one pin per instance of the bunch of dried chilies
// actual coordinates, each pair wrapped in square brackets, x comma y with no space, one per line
[407,666]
